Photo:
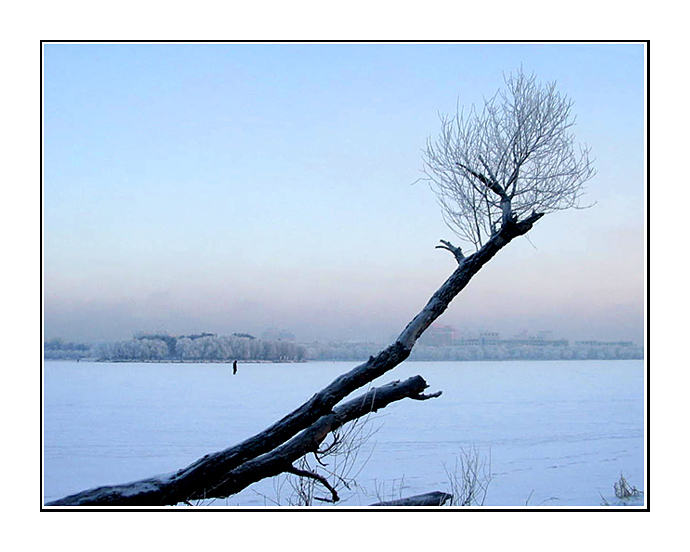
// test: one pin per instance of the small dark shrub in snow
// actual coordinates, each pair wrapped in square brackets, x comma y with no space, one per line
[624,490]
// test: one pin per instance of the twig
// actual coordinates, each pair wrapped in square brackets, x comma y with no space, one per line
[530,496]
[304,473]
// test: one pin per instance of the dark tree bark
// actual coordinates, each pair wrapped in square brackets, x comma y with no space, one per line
[271,452]
[205,479]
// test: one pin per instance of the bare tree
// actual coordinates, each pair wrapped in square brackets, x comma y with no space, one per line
[513,158]
[496,173]
[470,478]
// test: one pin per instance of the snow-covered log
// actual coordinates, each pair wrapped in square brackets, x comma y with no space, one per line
[211,476]
[434,498]
[227,472]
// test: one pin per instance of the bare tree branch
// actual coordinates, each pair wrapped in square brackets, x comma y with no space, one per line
[227,472]
[217,483]
[318,477]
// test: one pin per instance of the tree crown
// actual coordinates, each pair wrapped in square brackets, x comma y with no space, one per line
[515,157]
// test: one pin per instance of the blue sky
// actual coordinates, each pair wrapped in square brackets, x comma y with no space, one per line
[237,187]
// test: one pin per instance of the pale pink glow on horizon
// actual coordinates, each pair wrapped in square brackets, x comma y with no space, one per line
[240,187]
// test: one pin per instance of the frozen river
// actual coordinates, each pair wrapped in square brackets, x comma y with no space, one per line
[557,434]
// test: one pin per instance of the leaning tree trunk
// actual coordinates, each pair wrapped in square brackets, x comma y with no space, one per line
[273,450]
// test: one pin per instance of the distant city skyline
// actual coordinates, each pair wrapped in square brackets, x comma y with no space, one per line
[239,187]
[438,343]
[278,334]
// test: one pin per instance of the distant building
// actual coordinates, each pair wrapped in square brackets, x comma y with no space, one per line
[447,336]
[605,343]
[543,338]
[489,338]
[438,336]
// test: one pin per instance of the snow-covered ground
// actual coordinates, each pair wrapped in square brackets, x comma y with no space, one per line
[557,433]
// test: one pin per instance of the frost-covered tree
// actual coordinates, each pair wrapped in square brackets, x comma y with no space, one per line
[496,172]
[513,160]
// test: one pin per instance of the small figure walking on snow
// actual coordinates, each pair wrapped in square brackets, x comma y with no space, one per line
[234,368]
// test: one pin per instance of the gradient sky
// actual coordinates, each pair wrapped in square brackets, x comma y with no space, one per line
[236,187]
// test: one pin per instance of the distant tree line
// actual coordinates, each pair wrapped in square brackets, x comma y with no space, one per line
[204,347]
[199,347]
[529,352]
[207,347]
[577,351]
[59,349]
